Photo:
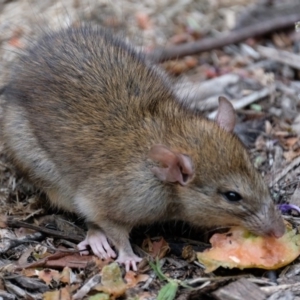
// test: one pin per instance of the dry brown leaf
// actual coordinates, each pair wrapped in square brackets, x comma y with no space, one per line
[180,66]
[188,253]
[30,272]
[47,275]
[143,20]
[66,275]
[3,220]
[111,281]
[179,38]
[43,262]
[22,232]
[156,248]
[133,279]
[62,294]
[24,258]
[291,155]
[100,263]
[145,296]
[291,141]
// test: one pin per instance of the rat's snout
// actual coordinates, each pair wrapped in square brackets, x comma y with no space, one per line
[271,222]
[276,229]
[268,223]
[277,233]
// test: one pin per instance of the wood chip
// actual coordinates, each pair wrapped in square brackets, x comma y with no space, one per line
[238,290]
[285,57]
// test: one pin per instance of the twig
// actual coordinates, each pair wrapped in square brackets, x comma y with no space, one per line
[258,29]
[269,290]
[15,223]
[96,279]
[281,56]
[7,243]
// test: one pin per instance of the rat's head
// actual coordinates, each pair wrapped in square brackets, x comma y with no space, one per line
[215,181]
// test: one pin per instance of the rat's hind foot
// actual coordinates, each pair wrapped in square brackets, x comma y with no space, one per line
[129,260]
[98,242]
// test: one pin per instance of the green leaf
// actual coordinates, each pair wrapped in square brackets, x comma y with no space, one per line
[256,107]
[168,292]
[100,296]
[157,269]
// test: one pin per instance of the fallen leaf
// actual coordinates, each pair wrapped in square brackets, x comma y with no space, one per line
[25,257]
[133,279]
[48,275]
[156,248]
[111,281]
[100,263]
[188,253]
[3,220]
[143,20]
[62,294]
[100,296]
[145,296]
[179,38]
[241,249]
[168,292]
[290,155]
[291,141]
[191,61]
[30,272]
[66,275]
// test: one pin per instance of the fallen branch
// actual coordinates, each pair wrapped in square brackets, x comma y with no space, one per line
[7,243]
[207,44]
[6,221]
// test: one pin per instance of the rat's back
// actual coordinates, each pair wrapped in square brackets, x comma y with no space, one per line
[80,70]
[71,96]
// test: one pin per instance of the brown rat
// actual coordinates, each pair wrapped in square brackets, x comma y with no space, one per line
[99,129]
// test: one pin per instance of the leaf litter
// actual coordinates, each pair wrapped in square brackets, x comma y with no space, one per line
[39,259]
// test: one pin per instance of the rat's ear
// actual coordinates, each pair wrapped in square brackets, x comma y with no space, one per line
[226,117]
[175,167]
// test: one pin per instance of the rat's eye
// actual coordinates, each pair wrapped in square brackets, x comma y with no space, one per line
[232,196]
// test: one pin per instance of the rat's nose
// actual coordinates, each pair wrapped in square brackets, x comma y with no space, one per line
[275,234]
[277,231]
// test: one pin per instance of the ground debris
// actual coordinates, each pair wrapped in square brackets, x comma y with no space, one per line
[238,289]
[38,254]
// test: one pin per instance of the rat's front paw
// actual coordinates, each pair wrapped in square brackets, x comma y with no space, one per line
[98,242]
[129,260]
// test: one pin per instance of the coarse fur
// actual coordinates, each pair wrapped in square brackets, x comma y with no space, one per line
[83,109]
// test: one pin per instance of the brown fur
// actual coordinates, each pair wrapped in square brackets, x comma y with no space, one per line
[83,110]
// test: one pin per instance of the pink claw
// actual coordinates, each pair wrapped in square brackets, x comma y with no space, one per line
[98,243]
[82,247]
[129,260]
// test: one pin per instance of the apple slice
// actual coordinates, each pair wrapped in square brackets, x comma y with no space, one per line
[238,248]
